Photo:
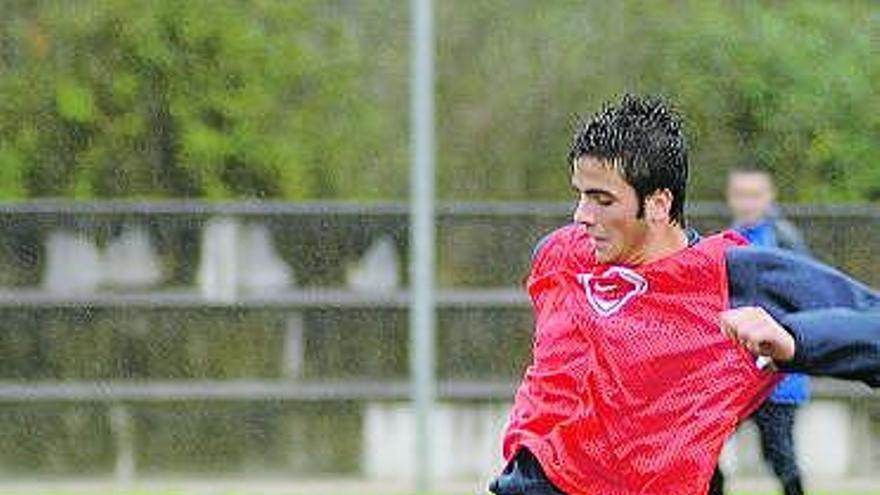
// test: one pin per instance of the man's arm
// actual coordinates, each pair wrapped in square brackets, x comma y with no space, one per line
[830,319]
[839,342]
[783,282]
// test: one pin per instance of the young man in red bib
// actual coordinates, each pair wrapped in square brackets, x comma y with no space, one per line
[633,385]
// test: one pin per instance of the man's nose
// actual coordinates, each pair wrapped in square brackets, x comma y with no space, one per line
[584,213]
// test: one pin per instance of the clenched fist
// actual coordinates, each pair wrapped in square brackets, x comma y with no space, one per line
[755,329]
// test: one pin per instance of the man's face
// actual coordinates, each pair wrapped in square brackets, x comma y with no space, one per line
[608,208]
[750,196]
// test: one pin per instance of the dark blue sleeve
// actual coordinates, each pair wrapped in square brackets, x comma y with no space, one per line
[540,244]
[791,288]
[838,342]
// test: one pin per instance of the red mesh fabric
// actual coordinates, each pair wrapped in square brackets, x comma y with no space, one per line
[632,388]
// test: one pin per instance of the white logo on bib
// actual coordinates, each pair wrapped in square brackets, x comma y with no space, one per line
[610,291]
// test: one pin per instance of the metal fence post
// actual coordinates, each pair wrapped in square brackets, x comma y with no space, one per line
[120,422]
[294,346]
[422,233]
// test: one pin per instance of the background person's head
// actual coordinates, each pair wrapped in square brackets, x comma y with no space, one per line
[750,195]
[629,168]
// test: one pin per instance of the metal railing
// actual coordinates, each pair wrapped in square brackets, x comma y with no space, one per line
[531,220]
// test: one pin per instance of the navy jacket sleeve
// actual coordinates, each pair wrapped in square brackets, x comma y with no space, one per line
[821,350]
[811,299]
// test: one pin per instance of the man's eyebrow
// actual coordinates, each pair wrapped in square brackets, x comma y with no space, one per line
[604,192]
[593,191]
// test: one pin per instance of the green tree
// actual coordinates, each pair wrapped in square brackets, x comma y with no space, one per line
[790,86]
[198,98]
[308,99]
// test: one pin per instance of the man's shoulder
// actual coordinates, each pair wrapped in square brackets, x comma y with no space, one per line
[569,243]
[561,235]
[722,241]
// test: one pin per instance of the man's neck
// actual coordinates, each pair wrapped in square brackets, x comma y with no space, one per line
[664,242]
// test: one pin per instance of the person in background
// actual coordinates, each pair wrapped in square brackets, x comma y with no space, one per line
[751,197]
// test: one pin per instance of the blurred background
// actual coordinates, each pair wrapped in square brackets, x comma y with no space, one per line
[204,250]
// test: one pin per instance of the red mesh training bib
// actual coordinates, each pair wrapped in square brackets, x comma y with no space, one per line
[632,388]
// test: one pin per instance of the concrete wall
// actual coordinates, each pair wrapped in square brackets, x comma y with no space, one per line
[830,437]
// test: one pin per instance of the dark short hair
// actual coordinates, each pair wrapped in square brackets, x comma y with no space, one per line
[643,138]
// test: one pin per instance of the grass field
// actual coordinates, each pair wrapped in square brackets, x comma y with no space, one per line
[262,487]
[136,492]
[220,486]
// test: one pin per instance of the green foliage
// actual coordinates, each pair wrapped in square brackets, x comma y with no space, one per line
[308,99]
[184,98]
[790,86]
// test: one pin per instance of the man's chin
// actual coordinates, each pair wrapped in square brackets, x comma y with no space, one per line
[604,256]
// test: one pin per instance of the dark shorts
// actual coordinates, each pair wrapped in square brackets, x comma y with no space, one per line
[523,476]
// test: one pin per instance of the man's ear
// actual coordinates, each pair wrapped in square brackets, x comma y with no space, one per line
[658,206]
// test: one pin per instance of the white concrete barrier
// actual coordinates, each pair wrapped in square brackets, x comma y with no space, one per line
[828,443]
[466,441]
[130,260]
[237,256]
[73,263]
[824,438]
